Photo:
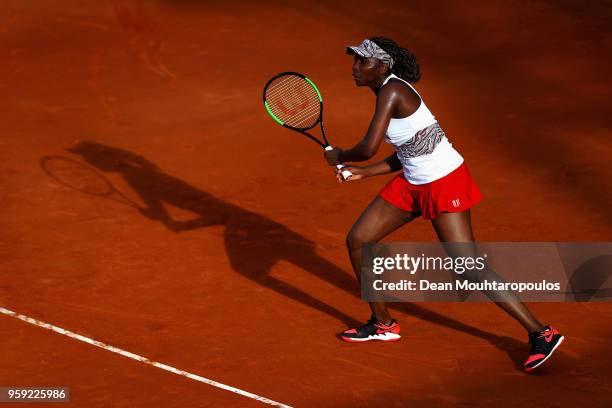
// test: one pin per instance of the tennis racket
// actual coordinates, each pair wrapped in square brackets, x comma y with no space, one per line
[83,178]
[295,102]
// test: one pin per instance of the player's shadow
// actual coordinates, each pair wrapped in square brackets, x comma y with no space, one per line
[254,243]
[515,349]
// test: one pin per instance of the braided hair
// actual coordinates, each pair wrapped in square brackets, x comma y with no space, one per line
[405,64]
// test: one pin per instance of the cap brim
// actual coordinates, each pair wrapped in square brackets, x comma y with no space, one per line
[355,51]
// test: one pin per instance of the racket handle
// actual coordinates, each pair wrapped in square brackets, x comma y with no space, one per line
[345,174]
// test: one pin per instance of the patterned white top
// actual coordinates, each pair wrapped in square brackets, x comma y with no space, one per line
[421,145]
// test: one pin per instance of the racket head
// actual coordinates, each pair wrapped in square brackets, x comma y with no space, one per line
[76,175]
[82,178]
[293,100]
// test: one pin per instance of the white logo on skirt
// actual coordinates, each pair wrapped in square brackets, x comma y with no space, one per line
[456,202]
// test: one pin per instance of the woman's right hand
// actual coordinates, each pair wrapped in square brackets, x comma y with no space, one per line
[357,173]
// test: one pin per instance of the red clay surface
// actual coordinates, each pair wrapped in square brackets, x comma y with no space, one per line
[252,293]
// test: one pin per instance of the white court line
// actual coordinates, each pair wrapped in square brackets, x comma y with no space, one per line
[140,358]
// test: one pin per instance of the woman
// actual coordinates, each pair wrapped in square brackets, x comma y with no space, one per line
[435,183]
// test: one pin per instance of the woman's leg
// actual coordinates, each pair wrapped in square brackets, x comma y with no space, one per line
[457,227]
[378,220]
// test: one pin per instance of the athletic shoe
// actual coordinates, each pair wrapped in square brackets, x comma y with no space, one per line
[543,344]
[373,330]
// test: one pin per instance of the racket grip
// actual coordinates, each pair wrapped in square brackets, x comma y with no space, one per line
[345,174]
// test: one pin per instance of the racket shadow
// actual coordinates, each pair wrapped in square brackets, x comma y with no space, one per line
[85,179]
[254,243]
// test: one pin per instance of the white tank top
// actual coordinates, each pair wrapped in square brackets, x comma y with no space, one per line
[421,145]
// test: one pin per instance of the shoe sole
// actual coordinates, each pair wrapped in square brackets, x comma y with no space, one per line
[392,337]
[547,357]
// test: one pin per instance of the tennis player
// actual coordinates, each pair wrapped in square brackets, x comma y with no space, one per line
[434,183]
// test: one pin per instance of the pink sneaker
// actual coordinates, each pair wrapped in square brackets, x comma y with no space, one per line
[543,344]
[373,330]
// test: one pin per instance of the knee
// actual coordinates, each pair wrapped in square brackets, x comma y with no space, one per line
[354,239]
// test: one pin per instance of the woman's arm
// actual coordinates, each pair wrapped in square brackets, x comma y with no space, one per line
[386,101]
[389,165]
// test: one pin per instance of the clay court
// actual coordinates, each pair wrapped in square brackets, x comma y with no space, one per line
[238,271]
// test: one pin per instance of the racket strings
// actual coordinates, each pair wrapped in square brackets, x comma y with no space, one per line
[77,176]
[298,103]
[294,101]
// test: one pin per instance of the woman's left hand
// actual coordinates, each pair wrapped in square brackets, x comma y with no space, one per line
[357,173]
[332,156]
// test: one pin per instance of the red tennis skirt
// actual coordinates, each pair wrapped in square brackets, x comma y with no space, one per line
[454,192]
